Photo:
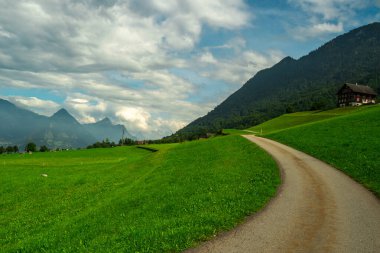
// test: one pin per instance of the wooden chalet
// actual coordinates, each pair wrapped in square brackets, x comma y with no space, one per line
[355,95]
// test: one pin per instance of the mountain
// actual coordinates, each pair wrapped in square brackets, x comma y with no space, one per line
[64,131]
[63,116]
[104,129]
[18,125]
[308,83]
[61,130]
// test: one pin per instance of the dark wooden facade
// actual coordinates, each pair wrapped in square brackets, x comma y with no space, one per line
[355,95]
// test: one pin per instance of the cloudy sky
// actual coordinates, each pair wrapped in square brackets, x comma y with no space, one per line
[155,65]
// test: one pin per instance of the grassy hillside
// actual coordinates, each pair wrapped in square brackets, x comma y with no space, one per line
[236,131]
[131,200]
[299,118]
[350,142]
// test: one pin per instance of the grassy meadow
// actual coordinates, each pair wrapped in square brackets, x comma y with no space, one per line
[236,132]
[349,141]
[300,118]
[128,199]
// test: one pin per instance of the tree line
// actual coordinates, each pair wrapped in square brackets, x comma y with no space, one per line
[8,149]
[30,147]
[108,144]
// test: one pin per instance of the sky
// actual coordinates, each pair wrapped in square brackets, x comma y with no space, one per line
[155,65]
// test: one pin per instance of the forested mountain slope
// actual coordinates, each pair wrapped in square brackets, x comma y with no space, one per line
[308,83]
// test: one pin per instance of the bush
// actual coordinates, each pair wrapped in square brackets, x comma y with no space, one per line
[44,148]
[9,149]
[31,147]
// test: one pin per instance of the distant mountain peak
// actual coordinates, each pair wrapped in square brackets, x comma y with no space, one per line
[62,111]
[105,129]
[4,102]
[106,120]
[63,115]
[19,126]
[287,59]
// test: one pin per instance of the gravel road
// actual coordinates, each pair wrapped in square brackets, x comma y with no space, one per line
[317,209]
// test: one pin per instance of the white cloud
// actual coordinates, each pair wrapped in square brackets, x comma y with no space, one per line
[208,58]
[75,49]
[326,16]
[69,47]
[239,68]
[77,100]
[228,14]
[315,30]
[236,43]
[44,107]
[163,81]
[86,109]
[136,117]
[4,33]
[331,9]
[328,27]
[72,36]
[172,125]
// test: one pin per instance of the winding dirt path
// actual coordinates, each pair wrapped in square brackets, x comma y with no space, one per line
[317,209]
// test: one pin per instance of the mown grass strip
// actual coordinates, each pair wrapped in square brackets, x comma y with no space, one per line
[148,148]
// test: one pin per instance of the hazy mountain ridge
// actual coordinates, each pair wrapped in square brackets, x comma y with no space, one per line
[102,128]
[61,130]
[296,85]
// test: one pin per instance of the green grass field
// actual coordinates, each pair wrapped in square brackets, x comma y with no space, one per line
[350,141]
[300,118]
[236,132]
[131,200]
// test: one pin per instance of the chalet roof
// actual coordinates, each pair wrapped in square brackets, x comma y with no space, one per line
[363,89]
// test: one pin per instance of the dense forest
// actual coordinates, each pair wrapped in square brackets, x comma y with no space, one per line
[309,83]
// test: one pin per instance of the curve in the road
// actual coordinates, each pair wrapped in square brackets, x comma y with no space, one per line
[317,209]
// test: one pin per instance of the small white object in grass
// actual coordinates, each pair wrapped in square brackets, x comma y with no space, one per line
[44,175]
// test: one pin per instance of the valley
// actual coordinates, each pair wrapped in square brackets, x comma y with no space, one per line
[286,162]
